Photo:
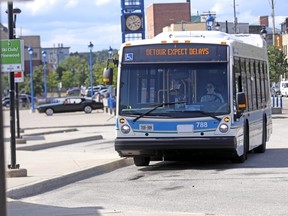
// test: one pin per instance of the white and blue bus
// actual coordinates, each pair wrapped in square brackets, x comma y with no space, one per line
[182,93]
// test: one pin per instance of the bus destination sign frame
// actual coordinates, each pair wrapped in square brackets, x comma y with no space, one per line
[167,53]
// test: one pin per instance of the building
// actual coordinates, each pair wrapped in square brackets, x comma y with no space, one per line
[284,26]
[55,55]
[185,27]
[264,21]
[162,15]
[199,24]
[284,37]
[33,41]
[285,44]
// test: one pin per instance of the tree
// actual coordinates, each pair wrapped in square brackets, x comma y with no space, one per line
[277,63]
[67,79]
[52,80]
[38,84]
[78,67]
[99,63]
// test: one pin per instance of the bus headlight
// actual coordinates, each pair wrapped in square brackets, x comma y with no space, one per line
[125,129]
[223,128]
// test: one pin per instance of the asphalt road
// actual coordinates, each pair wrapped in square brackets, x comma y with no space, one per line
[202,187]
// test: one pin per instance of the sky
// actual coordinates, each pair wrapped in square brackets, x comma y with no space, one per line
[74,23]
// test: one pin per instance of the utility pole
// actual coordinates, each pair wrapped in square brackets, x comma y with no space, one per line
[273,22]
[235,17]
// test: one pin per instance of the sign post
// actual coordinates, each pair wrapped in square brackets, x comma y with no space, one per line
[3,210]
[12,60]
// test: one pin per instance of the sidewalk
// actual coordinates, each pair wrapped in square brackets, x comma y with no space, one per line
[47,170]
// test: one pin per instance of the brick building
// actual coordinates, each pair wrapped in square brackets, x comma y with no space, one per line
[35,42]
[162,15]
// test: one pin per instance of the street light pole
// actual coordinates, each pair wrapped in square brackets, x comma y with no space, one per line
[15,12]
[45,74]
[90,46]
[13,164]
[110,50]
[30,50]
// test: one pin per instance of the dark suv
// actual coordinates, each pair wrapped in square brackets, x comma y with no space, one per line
[24,100]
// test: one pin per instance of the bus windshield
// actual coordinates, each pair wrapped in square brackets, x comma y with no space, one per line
[177,90]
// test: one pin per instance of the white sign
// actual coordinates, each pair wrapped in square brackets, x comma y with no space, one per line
[18,77]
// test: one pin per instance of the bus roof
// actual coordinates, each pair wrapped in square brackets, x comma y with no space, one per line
[200,37]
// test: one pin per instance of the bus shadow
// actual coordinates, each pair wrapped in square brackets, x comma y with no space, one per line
[272,158]
[26,208]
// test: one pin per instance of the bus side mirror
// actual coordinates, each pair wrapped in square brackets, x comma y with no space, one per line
[241,102]
[108,76]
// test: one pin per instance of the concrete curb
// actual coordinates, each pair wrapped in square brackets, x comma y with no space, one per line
[50,132]
[37,147]
[67,126]
[63,180]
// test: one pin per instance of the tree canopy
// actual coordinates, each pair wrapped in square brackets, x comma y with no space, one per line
[277,63]
[71,72]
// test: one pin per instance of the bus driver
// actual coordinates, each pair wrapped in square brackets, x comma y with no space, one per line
[211,95]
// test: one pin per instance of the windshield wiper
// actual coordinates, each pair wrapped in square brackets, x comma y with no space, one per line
[156,107]
[206,114]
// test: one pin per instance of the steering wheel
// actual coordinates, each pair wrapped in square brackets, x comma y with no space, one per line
[213,98]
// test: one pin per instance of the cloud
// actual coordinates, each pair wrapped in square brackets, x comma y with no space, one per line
[38,7]
[76,22]
[103,2]
[77,36]
[71,3]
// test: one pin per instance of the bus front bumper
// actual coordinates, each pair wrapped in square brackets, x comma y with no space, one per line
[129,147]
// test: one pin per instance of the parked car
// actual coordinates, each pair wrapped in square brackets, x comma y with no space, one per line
[69,104]
[98,96]
[95,89]
[275,89]
[73,91]
[24,100]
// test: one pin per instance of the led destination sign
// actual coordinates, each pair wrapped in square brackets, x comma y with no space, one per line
[175,53]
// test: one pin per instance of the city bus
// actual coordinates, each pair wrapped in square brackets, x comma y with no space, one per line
[165,109]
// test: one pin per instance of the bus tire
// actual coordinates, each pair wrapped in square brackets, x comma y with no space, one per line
[262,147]
[141,161]
[243,157]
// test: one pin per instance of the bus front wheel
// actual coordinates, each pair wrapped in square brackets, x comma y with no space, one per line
[243,157]
[141,161]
